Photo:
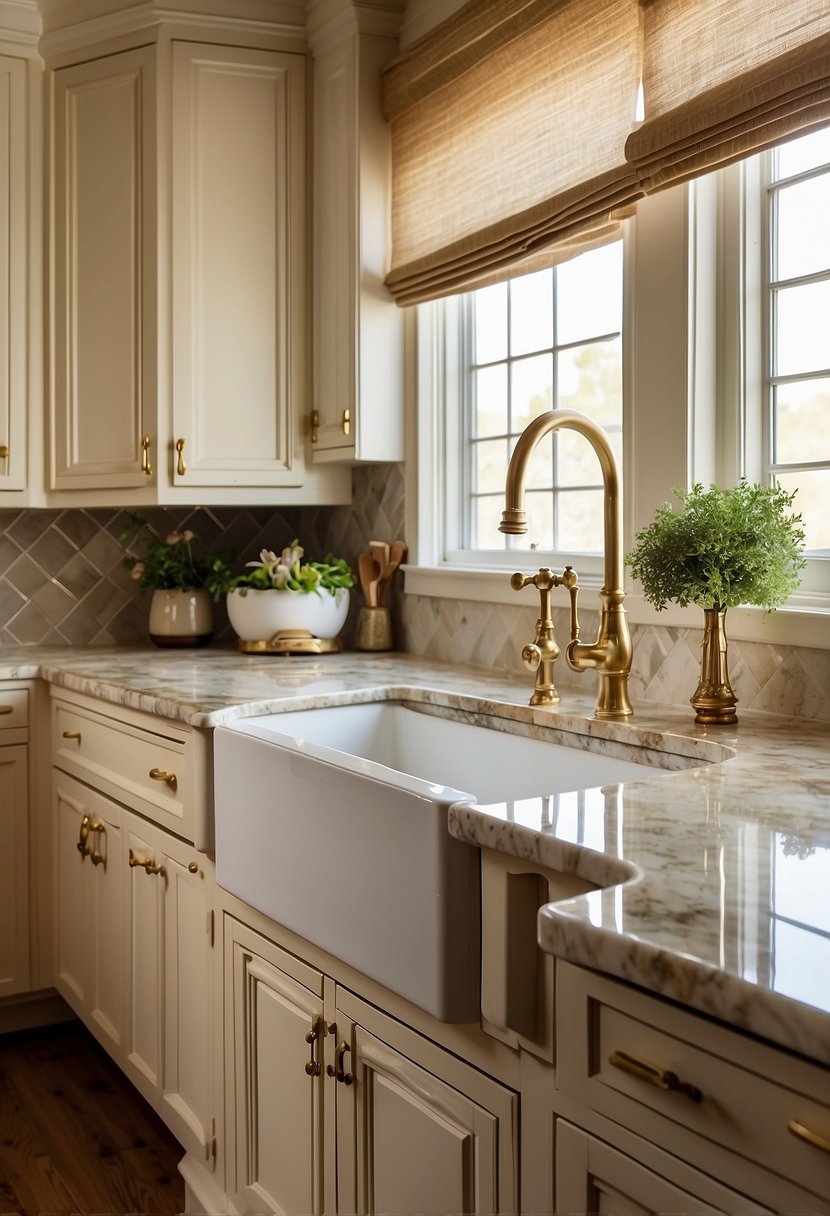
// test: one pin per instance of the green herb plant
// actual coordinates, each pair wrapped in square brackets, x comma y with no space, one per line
[721,548]
[287,571]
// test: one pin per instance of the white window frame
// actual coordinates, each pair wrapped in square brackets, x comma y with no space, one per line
[676,304]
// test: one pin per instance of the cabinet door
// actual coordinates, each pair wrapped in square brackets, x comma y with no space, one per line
[104,281]
[279,1155]
[14,244]
[238,264]
[593,1177]
[408,1142]
[357,390]
[14,871]
[90,909]
[170,981]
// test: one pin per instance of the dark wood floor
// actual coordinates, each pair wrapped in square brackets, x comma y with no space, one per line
[75,1136]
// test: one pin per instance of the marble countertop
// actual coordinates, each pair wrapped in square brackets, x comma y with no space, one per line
[712,878]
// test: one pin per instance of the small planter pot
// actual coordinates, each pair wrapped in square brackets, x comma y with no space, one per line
[181,619]
[259,616]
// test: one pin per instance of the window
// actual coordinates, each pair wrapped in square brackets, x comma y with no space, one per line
[796,440]
[721,367]
[545,340]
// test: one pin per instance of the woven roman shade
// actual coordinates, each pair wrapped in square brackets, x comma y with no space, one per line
[725,78]
[508,127]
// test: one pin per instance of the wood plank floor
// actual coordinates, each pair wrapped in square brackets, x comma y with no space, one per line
[75,1136]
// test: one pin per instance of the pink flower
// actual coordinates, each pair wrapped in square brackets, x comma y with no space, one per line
[137,571]
[172,538]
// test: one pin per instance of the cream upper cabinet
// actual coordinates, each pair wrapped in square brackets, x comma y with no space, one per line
[178,319]
[238,257]
[103,390]
[357,385]
[20,320]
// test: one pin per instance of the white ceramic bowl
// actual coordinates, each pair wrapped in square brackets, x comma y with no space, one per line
[258,616]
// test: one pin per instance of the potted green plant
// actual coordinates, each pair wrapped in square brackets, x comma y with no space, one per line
[282,594]
[720,549]
[179,573]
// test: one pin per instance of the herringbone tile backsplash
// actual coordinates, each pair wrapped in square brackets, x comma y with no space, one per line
[62,580]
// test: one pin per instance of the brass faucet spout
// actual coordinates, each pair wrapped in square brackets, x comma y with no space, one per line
[610,655]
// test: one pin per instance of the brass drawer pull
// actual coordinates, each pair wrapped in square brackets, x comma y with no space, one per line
[6,709]
[181,467]
[147,864]
[72,734]
[89,825]
[160,774]
[661,1078]
[318,1027]
[146,466]
[804,1133]
[4,451]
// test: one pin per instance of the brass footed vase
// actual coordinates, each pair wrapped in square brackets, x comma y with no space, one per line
[714,700]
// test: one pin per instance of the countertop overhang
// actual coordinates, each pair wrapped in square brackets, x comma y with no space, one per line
[724,901]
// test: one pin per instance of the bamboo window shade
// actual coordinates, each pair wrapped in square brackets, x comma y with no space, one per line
[723,79]
[508,127]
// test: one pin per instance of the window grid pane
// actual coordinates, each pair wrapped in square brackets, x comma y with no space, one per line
[797,434]
[519,369]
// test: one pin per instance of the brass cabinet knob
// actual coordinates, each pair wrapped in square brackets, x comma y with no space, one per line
[193,867]
[181,467]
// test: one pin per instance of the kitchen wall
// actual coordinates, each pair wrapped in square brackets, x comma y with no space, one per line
[63,581]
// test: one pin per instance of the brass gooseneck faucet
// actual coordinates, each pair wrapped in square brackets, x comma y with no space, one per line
[610,655]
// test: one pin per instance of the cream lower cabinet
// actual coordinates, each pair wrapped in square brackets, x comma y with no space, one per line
[168,1052]
[14,832]
[90,922]
[134,917]
[335,1106]
[593,1177]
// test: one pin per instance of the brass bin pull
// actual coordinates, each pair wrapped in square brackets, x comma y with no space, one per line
[805,1133]
[336,1070]
[160,774]
[661,1078]
[181,467]
[147,864]
[72,734]
[6,709]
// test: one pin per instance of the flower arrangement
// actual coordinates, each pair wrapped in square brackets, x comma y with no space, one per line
[721,549]
[287,571]
[174,562]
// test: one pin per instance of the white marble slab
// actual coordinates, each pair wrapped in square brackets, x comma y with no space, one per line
[712,880]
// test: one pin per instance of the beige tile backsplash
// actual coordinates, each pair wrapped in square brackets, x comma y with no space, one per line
[62,580]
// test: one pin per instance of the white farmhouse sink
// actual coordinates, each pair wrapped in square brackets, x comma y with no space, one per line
[333,822]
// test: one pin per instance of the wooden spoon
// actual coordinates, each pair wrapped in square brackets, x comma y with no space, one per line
[368,572]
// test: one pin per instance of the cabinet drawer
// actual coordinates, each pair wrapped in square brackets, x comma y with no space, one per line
[145,769]
[679,1078]
[14,709]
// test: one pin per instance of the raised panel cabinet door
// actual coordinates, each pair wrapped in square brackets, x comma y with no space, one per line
[90,911]
[278,1087]
[144,881]
[238,266]
[594,1177]
[14,871]
[104,279]
[416,1144]
[14,296]
[189,1107]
